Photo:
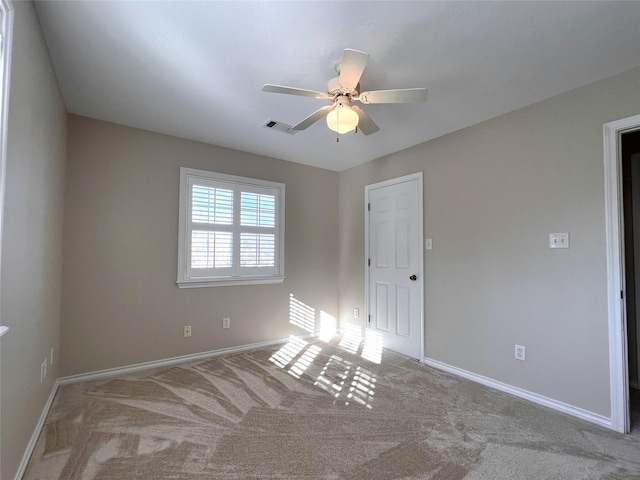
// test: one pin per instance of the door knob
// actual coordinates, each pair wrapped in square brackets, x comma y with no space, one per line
[413,278]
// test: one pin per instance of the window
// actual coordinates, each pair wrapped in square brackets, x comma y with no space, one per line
[231,230]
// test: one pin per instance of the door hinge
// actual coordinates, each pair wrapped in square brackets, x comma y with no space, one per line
[369,262]
[369,318]
[368,207]
[621,295]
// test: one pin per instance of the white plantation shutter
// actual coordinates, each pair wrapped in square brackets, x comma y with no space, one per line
[231,230]
[257,225]
[211,241]
[257,250]
[211,205]
[211,249]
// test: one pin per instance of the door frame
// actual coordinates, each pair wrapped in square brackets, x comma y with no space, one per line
[386,183]
[6,46]
[616,287]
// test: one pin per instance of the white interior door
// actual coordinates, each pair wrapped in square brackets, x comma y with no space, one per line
[394,263]
[634,343]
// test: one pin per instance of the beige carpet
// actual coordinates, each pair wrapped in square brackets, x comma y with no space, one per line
[316,410]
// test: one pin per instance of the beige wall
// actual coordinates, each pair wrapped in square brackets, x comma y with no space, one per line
[121,305]
[32,237]
[492,194]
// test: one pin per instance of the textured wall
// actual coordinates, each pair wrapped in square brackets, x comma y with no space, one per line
[492,194]
[121,305]
[32,237]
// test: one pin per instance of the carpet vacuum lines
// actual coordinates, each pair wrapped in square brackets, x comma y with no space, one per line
[315,410]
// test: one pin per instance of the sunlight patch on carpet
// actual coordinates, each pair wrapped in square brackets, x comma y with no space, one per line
[288,352]
[304,361]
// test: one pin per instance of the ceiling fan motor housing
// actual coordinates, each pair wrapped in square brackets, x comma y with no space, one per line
[334,88]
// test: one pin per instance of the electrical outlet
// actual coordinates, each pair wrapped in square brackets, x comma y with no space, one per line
[520,353]
[187,330]
[226,322]
[356,313]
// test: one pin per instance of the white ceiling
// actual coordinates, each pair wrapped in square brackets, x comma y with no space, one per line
[196,69]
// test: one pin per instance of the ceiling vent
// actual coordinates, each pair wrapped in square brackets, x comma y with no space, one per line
[280,127]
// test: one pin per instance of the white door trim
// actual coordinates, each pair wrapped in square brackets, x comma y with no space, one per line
[414,176]
[618,362]
[6,42]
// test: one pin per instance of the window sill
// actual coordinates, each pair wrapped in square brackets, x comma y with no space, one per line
[228,282]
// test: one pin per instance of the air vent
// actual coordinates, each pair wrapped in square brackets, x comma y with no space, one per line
[280,127]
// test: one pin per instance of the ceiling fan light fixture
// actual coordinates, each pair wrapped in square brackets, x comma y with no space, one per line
[343,116]
[342,119]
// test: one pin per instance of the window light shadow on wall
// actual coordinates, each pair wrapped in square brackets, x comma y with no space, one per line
[301,314]
[304,316]
[328,326]
[351,338]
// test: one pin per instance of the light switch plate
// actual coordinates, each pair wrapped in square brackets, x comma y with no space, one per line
[558,240]
[428,243]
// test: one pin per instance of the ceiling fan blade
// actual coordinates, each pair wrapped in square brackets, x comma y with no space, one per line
[313,118]
[295,91]
[365,124]
[353,63]
[407,95]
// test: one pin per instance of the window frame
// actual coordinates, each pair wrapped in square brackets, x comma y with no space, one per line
[236,275]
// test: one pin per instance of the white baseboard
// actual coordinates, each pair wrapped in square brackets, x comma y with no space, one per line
[525,394]
[36,433]
[112,372]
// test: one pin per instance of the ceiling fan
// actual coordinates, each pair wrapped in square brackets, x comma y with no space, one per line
[342,115]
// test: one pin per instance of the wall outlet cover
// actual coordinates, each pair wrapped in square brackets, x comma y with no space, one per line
[558,240]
